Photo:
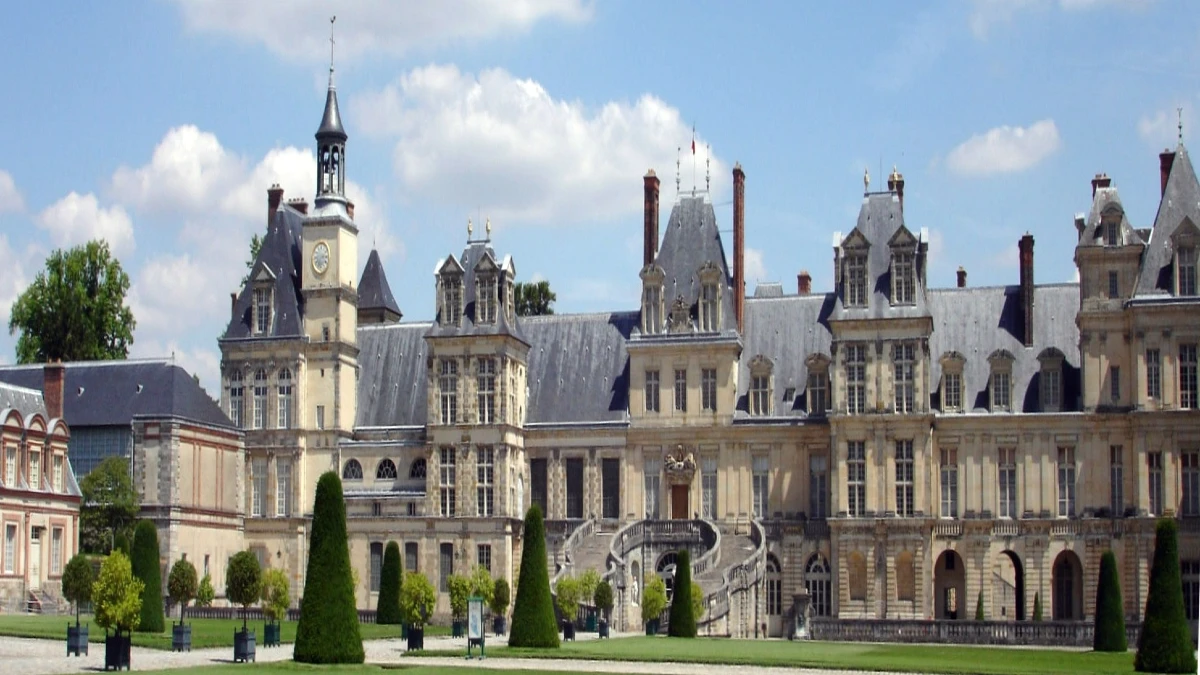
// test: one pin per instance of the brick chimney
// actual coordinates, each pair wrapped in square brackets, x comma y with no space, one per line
[54,376]
[274,199]
[962,277]
[1100,181]
[1166,159]
[650,218]
[896,185]
[350,209]
[299,204]
[1026,255]
[232,305]
[739,243]
[804,283]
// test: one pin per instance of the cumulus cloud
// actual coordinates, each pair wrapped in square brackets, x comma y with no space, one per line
[756,270]
[10,196]
[1005,149]
[507,146]
[12,278]
[299,29]
[1162,128]
[76,219]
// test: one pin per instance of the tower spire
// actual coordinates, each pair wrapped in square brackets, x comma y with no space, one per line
[1179,113]
[331,143]
[331,43]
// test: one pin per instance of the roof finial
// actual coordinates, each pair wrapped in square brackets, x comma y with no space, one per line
[678,150]
[707,167]
[866,180]
[470,229]
[1179,113]
[488,227]
[331,43]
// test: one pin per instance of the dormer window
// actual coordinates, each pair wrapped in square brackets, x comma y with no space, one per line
[1185,264]
[652,300]
[262,310]
[904,290]
[952,382]
[452,301]
[760,385]
[818,384]
[485,299]
[1111,230]
[1000,383]
[856,281]
[710,298]
[1051,388]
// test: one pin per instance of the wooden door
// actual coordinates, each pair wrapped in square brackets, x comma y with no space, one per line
[35,564]
[679,502]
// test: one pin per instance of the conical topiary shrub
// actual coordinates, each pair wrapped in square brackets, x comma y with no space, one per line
[1037,607]
[533,622]
[146,568]
[979,616]
[682,620]
[1109,634]
[1165,643]
[387,611]
[328,630]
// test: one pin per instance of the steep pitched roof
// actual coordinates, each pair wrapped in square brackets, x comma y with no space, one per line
[27,400]
[1107,201]
[392,375]
[787,330]
[1180,200]
[578,367]
[691,240]
[374,293]
[471,256]
[113,393]
[879,221]
[278,258]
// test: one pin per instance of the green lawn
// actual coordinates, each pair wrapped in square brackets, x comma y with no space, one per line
[290,668]
[205,632]
[854,656]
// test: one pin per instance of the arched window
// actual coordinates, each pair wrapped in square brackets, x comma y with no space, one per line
[285,399]
[237,394]
[260,399]
[352,470]
[817,583]
[386,470]
[666,569]
[774,587]
[417,470]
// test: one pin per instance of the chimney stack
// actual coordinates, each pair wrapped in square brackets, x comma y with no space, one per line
[232,305]
[1166,160]
[54,375]
[739,243]
[804,283]
[274,199]
[1026,254]
[962,277]
[1100,181]
[896,185]
[299,204]
[650,218]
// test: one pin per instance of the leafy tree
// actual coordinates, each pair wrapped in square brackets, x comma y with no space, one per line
[255,246]
[75,309]
[602,598]
[276,594]
[588,581]
[1165,643]
[181,585]
[482,585]
[1037,607]
[206,592]
[117,595]
[328,630]
[979,607]
[387,611]
[533,622]
[1109,635]
[534,298]
[77,581]
[654,598]
[682,619]
[566,596]
[417,600]
[699,606]
[146,567]
[121,543]
[243,581]
[460,589]
[109,505]
[500,597]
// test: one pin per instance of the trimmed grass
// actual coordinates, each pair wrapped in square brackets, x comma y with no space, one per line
[291,668]
[205,632]
[949,659]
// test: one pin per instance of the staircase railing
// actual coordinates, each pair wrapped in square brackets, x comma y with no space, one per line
[583,531]
[739,578]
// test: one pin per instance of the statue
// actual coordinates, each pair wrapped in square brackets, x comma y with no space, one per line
[680,465]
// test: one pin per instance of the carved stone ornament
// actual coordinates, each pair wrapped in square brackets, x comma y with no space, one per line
[680,466]
[680,316]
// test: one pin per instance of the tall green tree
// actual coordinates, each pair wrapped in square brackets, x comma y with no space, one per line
[243,581]
[255,246]
[110,505]
[1165,643]
[77,582]
[682,621]
[75,308]
[533,622]
[146,567]
[117,595]
[390,580]
[1109,635]
[328,630]
[182,585]
[534,298]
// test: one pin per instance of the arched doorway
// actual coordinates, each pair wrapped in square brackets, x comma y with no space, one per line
[949,586]
[817,583]
[665,567]
[1067,581]
[774,585]
[1008,588]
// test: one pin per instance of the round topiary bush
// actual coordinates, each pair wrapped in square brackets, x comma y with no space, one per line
[1165,643]
[146,567]
[243,581]
[533,622]
[682,620]
[500,597]
[387,611]
[77,581]
[328,630]
[181,585]
[603,599]
[1110,609]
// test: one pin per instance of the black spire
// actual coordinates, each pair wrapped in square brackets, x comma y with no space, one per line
[331,143]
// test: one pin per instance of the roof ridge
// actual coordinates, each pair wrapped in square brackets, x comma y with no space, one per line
[89,364]
[539,318]
[19,388]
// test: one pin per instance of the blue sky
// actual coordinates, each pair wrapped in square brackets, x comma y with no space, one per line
[160,125]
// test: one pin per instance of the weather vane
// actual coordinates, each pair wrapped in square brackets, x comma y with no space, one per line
[707,168]
[331,43]
[470,228]
[677,151]
[488,227]
[1179,113]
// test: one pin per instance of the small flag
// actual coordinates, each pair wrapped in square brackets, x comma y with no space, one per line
[693,139]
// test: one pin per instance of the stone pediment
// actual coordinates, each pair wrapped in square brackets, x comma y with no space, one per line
[680,466]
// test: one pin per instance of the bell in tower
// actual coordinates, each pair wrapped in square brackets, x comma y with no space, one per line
[331,146]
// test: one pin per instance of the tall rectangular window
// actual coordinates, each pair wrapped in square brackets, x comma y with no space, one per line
[1187,270]
[1154,373]
[1114,284]
[818,486]
[1051,389]
[1187,376]
[283,487]
[1114,381]
[574,471]
[448,386]
[904,478]
[258,495]
[1116,479]
[948,468]
[1189,503]
[57,475]
[761,467]
[856,478]
[487,299]
[1154,462]
[483,556]
[653,309]
[262,310]
[760,395]
[708,389]
[1001,390]
[453,300]
[485,382]
[10,549]
[260,399]
[905,286]
[652,390]
[538,484]
[708,486]
[905,366]
[856,281]
[411,563]
[681,390]
[10,466]
[1110,233]
[284,402]
[856,379]
[376,565]
[652,467]
[35,469]
[1007,477]
[708,308]
[485,478]
[818,392]
[951,392]
[447,481]
[1189,572]
[320,417]
[56,550]
[1066,482]
[610,488]
[446,566]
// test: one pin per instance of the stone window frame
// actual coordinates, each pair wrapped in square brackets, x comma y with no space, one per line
[1185,247]
[352,470]
[1008,492]
[448,390]
[485,389]
[1189,376]
[447,481]
[262,306]
[236,386]
[1000,383]
[653,322]
[259,404]
[386,470]
[856,478]
[680,389]
[708,390]
[1067,481]
[948,483]
[450,293]
[1050,384]
[953,366]
[285,399]
[761,387]
[1189,481]
[487,292]
[283,486]
[905,354]
[905,473]
[856,380]
[709,302]
[856,279]
[1153,358]
[817,366]
[1155,492]
[652,391]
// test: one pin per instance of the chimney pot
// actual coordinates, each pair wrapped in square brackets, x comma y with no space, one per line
[650,218]
[1165,161]
[804,283]
[54,375]
[739,243]
[232,305]
[1025,246]
[962,277]
[1100,181]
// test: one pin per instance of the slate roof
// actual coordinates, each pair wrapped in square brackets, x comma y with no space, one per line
[786,330]
[472,254]
[692,239]
[1180,199]
[374,293]
[578,367]
[878,221]
[112,393]
[26,400]
[1093,232]
[331,118]
[280,254]
[392,375]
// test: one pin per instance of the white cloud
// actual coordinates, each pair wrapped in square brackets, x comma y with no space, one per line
[76,219]
[755,271]
[12,278]
[299,29]
[203,363]
[987,14]
[1005,149]
[506,146]
[10,196]
[1161,129]
[187,169]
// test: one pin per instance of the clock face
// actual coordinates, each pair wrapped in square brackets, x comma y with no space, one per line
[320,257]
